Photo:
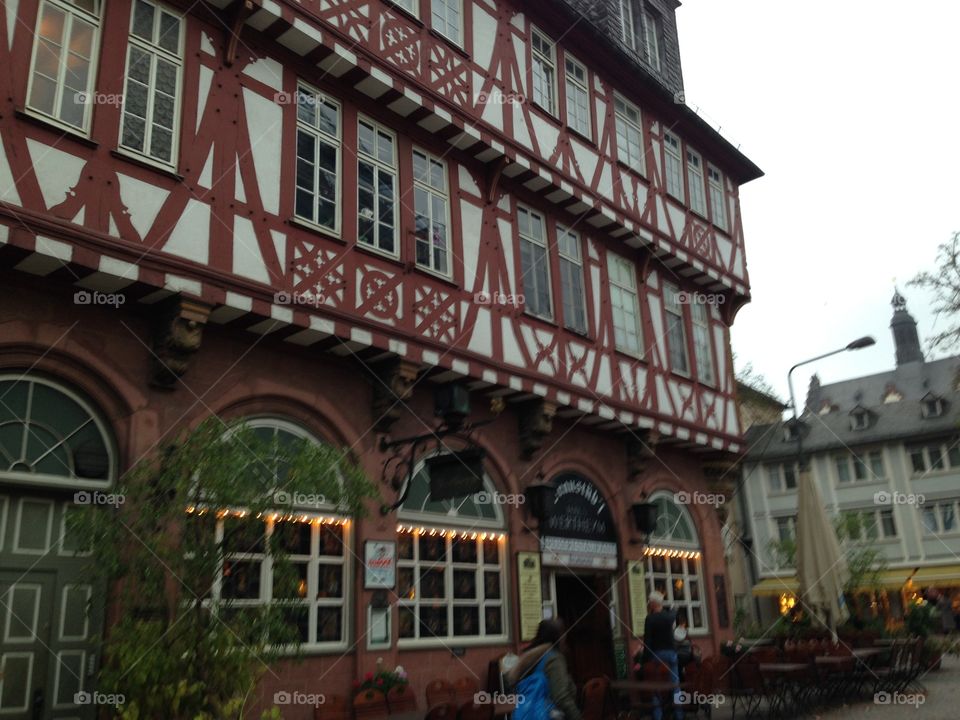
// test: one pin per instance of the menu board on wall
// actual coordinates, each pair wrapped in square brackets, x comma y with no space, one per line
[638,596]
[530,594]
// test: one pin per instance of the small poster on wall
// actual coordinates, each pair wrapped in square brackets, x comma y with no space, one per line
[638,596]
[379,564]
[530,592]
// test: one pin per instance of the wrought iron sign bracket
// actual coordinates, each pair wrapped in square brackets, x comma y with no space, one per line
[398,468]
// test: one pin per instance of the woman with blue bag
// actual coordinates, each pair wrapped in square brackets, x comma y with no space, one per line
[544,688]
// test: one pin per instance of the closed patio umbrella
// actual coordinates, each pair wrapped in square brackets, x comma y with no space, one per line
[821,565]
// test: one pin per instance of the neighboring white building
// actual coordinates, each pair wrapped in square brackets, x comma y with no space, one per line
[884,446]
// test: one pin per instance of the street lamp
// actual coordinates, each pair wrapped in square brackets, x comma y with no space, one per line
[857,344]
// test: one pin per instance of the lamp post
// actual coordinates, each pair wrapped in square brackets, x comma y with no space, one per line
[857,344]
[810,487]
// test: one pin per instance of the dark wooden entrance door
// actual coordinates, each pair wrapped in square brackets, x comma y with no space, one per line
[50,612]
[583,603]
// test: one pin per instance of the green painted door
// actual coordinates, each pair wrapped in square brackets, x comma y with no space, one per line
[50,612]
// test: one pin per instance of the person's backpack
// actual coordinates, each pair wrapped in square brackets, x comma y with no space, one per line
[533,693]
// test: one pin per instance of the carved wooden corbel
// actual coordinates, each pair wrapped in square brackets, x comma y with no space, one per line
[242,9]
[177,337]
[392,389]
[641,449]
[536,422]
[493,178]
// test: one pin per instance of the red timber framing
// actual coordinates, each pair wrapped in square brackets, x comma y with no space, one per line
[219,224]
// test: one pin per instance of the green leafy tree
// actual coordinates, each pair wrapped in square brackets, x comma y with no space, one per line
[171,652]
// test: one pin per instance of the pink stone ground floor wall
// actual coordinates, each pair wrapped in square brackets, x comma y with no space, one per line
[103,353]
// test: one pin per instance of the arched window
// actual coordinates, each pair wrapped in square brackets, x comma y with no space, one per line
[50,436]
[674,562]
[451,557]
[317,546]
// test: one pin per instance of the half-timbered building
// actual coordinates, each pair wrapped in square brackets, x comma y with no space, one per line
[309,215]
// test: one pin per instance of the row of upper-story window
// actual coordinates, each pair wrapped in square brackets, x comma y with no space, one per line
[868,465]
[63,69]
[939,517]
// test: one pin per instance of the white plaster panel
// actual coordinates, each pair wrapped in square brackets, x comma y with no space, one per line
[57,171]
[264,123]
[142,200]
[190,238]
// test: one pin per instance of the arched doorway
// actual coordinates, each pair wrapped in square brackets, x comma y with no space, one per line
[578,544]
[56,453]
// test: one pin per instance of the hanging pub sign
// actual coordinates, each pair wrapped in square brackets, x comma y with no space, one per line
[579,530]
[455,474]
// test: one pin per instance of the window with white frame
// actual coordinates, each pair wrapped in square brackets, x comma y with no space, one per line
[651,35]
[451,557]
[376,187]
[698,200]
[870,524]
[578,96]
[676,330]
[940,517]
[628,23]
[781,477]
[674,165]
[318,159]
[571,280]
[625,304]
[312,591]
[629,134]
[446,18]
[64,61]
[411,6]
[674,563]
[718,205]
[863,467]
[786,528]
[151,99]
[534,263]
[933,456]
[310,586]
[431,205]
[544,68]
[702,343]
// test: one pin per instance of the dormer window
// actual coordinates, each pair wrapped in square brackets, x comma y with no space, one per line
[891,395]
[859,419]
[932,406]
[792,430]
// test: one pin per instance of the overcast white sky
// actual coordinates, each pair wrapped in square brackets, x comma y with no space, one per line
[852,110]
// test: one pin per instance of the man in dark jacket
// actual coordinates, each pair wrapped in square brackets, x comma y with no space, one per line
[658,642]
[563,692]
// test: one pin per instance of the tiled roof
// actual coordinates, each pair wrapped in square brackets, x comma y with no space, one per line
[888,421]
